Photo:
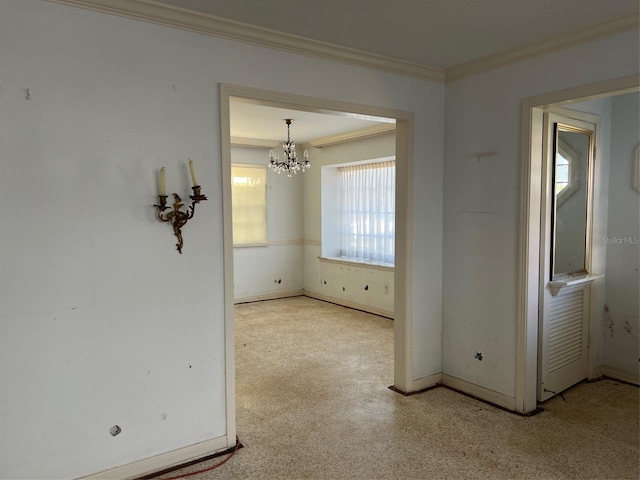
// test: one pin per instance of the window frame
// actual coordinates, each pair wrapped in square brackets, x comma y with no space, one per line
[573,176]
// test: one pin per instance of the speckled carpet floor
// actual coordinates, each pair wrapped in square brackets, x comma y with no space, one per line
[313,403]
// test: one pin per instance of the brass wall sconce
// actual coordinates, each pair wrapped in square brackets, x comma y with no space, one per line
[177,217]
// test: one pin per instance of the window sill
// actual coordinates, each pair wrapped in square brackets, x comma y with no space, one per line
[557,286]
[359,263]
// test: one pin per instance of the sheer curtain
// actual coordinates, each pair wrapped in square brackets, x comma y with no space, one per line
[367,211]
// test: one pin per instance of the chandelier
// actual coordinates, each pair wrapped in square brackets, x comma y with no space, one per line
[289,163]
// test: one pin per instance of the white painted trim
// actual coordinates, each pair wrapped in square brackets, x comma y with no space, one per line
[272,243]
[279,243]
[358,134]
[319,142]
[350,304]
[250,245]
[310,241]
[403,280]
[404,255]
[343,261]
[482,393]
[227,246]
[164,460]
[529,235]
[557,286]
[574,114]
[170,16]
[595,373]
[426,382]
[617,374]
[253,143]
[269,296]
[570,39]
[636,171]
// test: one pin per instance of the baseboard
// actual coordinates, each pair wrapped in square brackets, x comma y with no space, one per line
[420,386]
[481,393]
[269,296]
[162,461]
[426,382]
[348,303]
[616,374]
[318,296]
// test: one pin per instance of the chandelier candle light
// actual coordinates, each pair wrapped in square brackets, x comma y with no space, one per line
[177,217]
[290,163]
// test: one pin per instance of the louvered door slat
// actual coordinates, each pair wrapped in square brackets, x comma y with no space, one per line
[566,317]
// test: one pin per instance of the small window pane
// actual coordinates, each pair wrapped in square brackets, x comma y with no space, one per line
[562,173]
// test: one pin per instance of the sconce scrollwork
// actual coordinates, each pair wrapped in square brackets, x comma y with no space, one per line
[176,216]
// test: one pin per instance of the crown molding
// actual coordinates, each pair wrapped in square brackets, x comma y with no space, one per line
[360,133]
[319,142]
[577,37]
[253,142]
[161,14]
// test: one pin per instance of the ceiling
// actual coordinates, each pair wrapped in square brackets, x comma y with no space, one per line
[251,121]
[433,33]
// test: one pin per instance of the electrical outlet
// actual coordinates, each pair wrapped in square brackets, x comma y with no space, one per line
[386,289]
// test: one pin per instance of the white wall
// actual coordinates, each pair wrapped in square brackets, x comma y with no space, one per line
[482,200]
[102,321]
[622,296]
[257,270]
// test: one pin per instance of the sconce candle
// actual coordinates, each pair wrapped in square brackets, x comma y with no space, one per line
[177,217]
[162,182]
[193,173]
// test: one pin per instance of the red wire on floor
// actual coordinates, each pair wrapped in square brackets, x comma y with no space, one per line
[208,469]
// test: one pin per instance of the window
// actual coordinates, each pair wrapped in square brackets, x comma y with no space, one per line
[567,171]
[249,204]
[367,212]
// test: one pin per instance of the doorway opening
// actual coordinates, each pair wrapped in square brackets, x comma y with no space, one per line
[571,271]
[402,328]
[531,234]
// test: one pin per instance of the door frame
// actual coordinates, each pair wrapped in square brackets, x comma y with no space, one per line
[531,154]
[403,272]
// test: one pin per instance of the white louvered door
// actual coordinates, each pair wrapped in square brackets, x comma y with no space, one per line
[565,340]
